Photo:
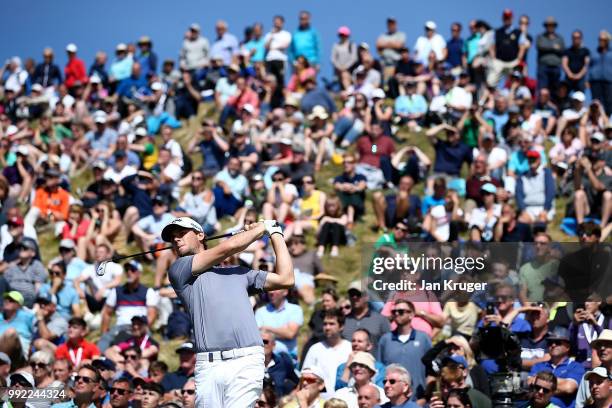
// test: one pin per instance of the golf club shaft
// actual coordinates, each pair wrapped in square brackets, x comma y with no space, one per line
[121,258]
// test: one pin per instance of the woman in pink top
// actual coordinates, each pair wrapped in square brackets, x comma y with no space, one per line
[301,72]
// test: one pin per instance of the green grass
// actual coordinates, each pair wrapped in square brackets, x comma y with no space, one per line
[346,267]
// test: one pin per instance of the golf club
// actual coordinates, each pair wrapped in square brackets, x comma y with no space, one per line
[101,270]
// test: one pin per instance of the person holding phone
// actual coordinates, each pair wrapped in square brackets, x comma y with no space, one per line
[587,325]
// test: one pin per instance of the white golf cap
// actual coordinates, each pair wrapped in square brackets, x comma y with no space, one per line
[94,79]
[121,47]
[157,86]
[23,150]
[194,27]
[11,130]
[598,136]
[71,47]
[67,243]
[430,25]
[180,222]
[100,116]
[378,93]
[579,96]
[37,87]
[249,108]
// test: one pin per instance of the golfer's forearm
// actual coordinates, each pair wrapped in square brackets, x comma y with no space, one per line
[284,265]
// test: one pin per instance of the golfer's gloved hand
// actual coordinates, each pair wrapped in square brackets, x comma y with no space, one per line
[273,227]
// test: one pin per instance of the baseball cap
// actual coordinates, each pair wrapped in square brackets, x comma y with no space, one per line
[16,221]
[121,47]
[514,109]
[316,371]
[51,172]
[99,164]
[46,297]
[133,265]
[364,45]
[559,333]
[194,27]
[153,386]
[140,131]
[67,243]
[145,39]
[430,25]
[140,319]
[234,67]
[489,188]
[29,244]
[598,136]
[187,346]
[378,93]
[71,47]
[37,87]
[455,359]
[103,363]
[344,30]
[100,116]
[298,148]
[292,101]
[159,199]
[21,376]
[599,372]
[355,286]
[157,86]
[120,154]
[579,96]
[180,222]
[391,19]
[5,359]
[507,13]
[14,296]
[533,154]
[488,136]
[366,359]
[249,108]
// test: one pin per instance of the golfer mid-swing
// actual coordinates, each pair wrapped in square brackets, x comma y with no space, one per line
[229,368]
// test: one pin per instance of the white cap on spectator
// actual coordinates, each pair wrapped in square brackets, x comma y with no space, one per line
[598,136]
[94,79]
[100,116]
[37,87]
[140,131]
[121,47]
[71,48]
[249,108]
[157,86]
[11,130]
[194,27]
[579,96]
[378,93]
[23,150]
[237,128]
[430,25]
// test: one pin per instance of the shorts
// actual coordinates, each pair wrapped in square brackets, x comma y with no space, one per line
[303,279]
[534,212]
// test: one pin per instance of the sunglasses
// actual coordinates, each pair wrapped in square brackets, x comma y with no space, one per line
[308,380]
[266,341]
[389,381]
[119,391]
[86,380]
[503,298]
[556,342]
[400,312]
[401,229]
[55,273]
[131,357]
[308,182]
[538,388]
[188,392]
[197,178]
[38,365]
[346,307]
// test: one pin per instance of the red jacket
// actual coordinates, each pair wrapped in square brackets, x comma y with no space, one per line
[75,71]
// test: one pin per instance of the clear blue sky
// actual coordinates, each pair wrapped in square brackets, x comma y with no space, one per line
[27,26]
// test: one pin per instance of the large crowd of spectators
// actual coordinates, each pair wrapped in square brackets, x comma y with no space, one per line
[92,167]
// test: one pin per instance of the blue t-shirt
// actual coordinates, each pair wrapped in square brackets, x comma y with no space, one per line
[568,369]
[431,201]
[287,313]
[23,322]
[66,297]
[520,165]
[407,105]
[260,49]
[450,157]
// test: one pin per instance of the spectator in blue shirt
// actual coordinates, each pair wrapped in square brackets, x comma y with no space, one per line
[147,58]
[16,326]
[314,96]
[256,45]
[450,153]
[133,86]
[121,67]
[411,107]
[66,294]
[283,319]
[600,71]
[568,372]
[102,139]
[305,41]
[98,68]
[454,46]
[226,44]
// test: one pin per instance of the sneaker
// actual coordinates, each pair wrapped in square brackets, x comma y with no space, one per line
[320,252]
[334,252]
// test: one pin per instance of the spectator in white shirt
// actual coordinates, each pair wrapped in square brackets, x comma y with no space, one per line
[277,41]
[428,43]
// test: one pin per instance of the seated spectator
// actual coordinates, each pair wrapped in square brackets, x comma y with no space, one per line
[230,188]
[311,389]
[362,371]
[299,166]
[27,274]
[397,387]
[360,344]
[318,137]
[139,337]
[126,301]
[519,162]
[362,316]
[283,319]
[509,228]
[325,357]
[482,220]
[405,346]
[50,326]
[472,125]
[417,163]
[41,362]
[600,387]
[396,239]
[593,185]
[480,175]
[148,229]
[352,121]
[374,151]
[535,192]
[187,360]
[441,223]
[105,227]
[410,108]
[301,71]
[332,224]
[306,265]
[188,394]
[450,154]
[67,297]
[245,152]
[534,272]
[329,300]
[51,202]
[120,393]
[568,149]
[280,198]
[120,169]
[568,372]
[212,148]
[198,203]
[12,233]
[76,349]
[131,364]
[310,209]
[76,224]
[542,390]
[602,357]
[350,188]
[496,157]
[279,366]
[316,96]
[243,96]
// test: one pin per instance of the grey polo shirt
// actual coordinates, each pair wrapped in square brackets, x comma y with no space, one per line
[218,303]
[392,350]
[373,322]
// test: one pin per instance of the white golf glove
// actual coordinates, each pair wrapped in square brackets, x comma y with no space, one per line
[273,227]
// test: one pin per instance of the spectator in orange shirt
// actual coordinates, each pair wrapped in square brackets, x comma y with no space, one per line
[76,349]
[51,202]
